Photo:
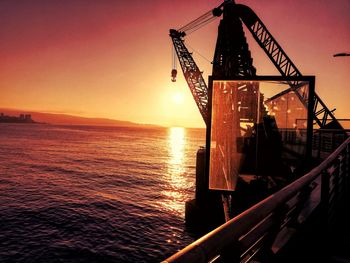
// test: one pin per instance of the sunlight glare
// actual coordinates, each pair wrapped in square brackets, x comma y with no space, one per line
[178,98]
[177,143]
[175,195]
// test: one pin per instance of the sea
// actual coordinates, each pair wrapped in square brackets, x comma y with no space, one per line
[95,194]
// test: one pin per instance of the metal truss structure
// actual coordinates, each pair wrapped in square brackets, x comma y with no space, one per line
[192,74]
[322,116]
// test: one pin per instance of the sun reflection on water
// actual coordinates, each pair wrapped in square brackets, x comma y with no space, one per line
[176,140]
[176,173]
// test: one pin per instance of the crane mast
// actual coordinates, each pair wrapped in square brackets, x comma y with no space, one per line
[232,57]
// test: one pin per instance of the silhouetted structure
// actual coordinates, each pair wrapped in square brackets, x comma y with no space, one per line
[22,118]
[257,145]
[243,136]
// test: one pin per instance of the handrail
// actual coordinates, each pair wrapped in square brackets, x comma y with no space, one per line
[213,244]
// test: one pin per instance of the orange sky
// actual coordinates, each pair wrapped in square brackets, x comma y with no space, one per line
[112,59]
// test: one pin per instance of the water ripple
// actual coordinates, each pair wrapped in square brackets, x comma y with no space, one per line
[94,194]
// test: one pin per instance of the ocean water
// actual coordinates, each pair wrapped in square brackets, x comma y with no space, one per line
[94,194]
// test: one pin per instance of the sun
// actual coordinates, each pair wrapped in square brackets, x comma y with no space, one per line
[178,98]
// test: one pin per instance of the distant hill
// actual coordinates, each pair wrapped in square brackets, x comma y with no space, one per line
[52,118]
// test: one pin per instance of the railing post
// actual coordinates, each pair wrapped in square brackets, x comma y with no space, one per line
[347,168]
[325,177]
[336,175]
[342,174]
[340,166]
[266,254]
[346,171]
[319,145]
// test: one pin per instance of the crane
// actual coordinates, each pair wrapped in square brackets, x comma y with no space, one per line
[236,14]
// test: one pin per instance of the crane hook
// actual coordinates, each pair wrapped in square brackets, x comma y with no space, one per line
[174,70]
[173,75]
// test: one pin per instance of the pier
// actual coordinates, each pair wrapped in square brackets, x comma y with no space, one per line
[303,222]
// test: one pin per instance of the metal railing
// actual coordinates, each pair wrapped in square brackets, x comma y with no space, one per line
[268,226]
[324,141]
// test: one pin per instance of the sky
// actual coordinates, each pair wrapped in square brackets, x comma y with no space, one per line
[112,59]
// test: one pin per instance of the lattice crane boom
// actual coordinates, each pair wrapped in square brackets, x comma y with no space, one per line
[192,74]
[283,63]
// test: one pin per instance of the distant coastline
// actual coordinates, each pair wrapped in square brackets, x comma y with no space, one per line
[64,119]
[22,118]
